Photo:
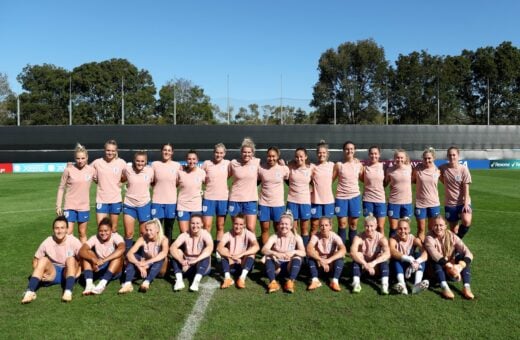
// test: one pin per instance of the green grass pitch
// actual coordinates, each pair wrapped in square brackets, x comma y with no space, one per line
[27,210]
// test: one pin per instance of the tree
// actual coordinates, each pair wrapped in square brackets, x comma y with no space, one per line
[415,87]
[505,92]
[45,101]
[187,101]
[98,90]
[6,96]
[353,77]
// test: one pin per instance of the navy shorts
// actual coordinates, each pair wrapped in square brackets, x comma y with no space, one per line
[299,211]
[397,211]
[270,213]
[143,214]
[422,213]
[348,207]
[319,210]
[163,210]
[376,209]
[77,216]
[214,207]
[109,208]
[246,208]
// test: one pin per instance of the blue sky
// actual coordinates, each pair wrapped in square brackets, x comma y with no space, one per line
[267,48]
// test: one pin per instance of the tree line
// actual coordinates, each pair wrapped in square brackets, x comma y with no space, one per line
[356,85]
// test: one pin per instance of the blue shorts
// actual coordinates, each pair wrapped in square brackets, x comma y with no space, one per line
[214,207]
[452,213]
[58,279]
[103,269]
[77,216]
[246,208]
[376,209]
[348,207]
[143,214]
[422,213]
[397,211]
[186,215]
[319,210]
[266,214]
[299,211]
[109,208]
[163,210]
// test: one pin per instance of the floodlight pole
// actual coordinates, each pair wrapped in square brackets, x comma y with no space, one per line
[281,99]
[123,100]
[228,112]
[70,100]
[334,109]
[488,101]
[174,107]
[438,104]
[18,110]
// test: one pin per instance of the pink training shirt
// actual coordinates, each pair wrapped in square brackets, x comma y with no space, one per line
[108,178]
[370,248]
[245,177]
[105,249]
[190,189]
[58,253]
[238,244]
[322,183]
[326,247]
[272,187]
[216,180]
[426,192]
[151,248]
[299,185]
[436,251]
[75,185]
[454,180]
[348,179]
[165,182]
[373,178]
[404,247]
[284,244]
[193,246]
[400,184]
[138,186]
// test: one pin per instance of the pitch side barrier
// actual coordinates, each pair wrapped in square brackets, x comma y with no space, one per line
[55,144]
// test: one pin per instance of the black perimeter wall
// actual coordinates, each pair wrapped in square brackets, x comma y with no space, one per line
[55,143]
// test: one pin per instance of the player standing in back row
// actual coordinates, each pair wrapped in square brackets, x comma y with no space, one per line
[457,202]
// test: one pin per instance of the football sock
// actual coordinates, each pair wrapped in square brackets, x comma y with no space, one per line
[69,282]
[34,282]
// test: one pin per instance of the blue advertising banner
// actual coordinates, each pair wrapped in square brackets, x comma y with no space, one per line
[472,164]
[38,167]
[505,164]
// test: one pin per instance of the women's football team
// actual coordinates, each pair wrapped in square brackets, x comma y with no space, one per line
[303,234]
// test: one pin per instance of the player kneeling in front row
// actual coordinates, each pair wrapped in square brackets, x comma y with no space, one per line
[152,262]
[284,252]
[237,248]
[55,262]
[405,261]
[102,257]
[370,253]
[449,255]
[325,253]
[191,254]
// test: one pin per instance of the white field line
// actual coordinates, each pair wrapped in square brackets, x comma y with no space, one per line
[197,314]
